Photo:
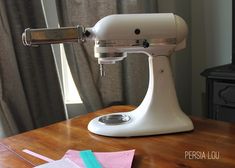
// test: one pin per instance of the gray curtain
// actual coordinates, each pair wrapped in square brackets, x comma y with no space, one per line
[125,82]
[30,94]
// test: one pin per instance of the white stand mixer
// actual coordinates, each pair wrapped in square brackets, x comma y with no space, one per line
[157,36]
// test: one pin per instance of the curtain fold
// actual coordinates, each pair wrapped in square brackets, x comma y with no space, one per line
[30,94]
[125,82]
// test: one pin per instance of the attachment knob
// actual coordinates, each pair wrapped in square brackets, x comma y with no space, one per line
[145,44]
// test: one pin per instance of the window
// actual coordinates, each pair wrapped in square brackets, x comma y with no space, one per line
[71,94]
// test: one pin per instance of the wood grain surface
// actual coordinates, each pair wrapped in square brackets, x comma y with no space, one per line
[161,151]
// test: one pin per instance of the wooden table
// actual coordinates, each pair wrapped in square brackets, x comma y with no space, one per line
[162,151]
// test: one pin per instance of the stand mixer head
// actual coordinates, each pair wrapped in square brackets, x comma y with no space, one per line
[157,36]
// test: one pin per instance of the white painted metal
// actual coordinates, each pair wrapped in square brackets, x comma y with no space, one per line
[159,113]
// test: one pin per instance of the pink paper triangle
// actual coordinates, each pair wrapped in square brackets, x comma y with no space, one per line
[122,159]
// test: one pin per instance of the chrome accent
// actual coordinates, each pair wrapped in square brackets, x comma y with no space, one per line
[52,36]
[114,119]
[137,42]
[108,55]
[109,58]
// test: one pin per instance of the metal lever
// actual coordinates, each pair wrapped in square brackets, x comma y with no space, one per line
[32,37]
